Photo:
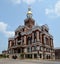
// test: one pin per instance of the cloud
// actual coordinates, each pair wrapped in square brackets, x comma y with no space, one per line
[57,8]
[48,11]
[55,11]
[3,29]
[16,1]
[9,33]
[29,1]
[3,26]
[25,1]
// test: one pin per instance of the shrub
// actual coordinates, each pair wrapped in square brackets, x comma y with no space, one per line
[21,56]
[4,56]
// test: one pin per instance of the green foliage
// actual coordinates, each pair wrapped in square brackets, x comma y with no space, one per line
[22,56]
[7,56]
[4,56]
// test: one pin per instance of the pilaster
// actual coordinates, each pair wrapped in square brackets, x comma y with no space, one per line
[41,37]
[37,35]
[24,39]
[32,56]
[32,37]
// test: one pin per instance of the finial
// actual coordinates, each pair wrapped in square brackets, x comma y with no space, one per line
[29,10]
[29,13]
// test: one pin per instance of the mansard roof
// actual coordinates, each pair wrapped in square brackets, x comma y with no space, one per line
[36,28]
[20,27]
[32,29]
[45,27]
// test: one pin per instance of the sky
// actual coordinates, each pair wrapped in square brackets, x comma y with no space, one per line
[13,13]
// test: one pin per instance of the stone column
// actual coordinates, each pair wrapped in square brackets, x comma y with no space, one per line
[49,40]
[32,56]
[10,43]
[43,56]
[37,35]
[24,56]
[25,40]
[16,41]
[41,37]
[32,37]
[25,50]
[44,39]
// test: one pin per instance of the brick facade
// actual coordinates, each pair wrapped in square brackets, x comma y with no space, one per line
[32,41]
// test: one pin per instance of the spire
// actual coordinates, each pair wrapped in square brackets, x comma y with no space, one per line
[29,13]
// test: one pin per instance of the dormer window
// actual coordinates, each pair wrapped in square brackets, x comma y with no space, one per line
[19,34]
[46,30]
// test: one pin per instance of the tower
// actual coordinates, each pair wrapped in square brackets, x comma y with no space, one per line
[29,21]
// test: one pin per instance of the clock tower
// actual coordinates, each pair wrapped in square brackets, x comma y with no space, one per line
[29,21]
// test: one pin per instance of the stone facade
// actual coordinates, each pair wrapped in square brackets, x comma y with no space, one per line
[31,40]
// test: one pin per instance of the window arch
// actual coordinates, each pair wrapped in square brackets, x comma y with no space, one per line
[29,40]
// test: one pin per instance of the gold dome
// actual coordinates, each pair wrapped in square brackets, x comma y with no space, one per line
[29,12]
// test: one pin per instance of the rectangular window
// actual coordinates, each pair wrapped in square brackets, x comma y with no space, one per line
[40,55]
[29,40]
[29,49]
[34,48]
[47,41]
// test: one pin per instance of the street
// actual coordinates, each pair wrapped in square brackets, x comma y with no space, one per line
[26,61]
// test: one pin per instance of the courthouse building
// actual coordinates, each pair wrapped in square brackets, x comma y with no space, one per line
[31,40]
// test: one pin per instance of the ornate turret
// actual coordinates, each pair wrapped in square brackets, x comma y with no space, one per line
[29,21]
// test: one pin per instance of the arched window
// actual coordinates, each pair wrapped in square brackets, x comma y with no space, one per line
[29,40]
[47,41]
[35,36]
[19,34]
[34,48]
[12,43]
[29,49]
